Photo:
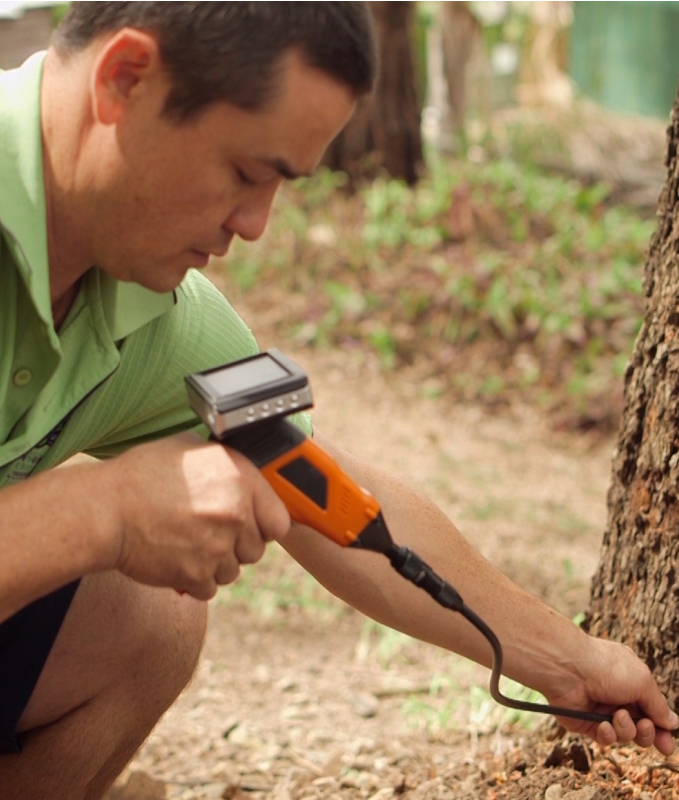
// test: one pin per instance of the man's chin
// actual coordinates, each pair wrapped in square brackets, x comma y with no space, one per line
[163,276]
[198,259]
[161,284]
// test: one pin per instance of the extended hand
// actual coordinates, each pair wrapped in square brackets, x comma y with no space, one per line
[615,680]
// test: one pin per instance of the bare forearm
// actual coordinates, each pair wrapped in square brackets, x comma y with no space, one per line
[53,529]
[537,640]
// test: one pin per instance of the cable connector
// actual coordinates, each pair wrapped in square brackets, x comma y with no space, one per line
[414,569]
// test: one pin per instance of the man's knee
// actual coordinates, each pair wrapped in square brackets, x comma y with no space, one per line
[170,641]
[117,634]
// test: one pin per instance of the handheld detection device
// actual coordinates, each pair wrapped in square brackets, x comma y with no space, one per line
[245,404]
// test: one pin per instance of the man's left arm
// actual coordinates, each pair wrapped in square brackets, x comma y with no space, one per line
[543,649]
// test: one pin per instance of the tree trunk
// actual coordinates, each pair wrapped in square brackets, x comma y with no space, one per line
[461,34]
[385,130]
[635,594]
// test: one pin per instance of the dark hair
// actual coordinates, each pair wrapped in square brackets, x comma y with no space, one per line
[230,51]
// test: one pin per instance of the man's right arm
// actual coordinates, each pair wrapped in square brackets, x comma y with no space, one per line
[54,527]
[178,512]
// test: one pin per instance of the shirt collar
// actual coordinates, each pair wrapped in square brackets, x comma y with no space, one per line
[127,306]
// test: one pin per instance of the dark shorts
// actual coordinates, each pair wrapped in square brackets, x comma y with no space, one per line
[25,642]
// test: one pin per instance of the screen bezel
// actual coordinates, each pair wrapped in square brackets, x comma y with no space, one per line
[294,379]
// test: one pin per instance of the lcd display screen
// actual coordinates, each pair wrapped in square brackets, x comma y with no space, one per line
[256,372]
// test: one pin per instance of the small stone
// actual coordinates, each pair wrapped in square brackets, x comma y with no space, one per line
[215,790]
[239,734]
[554,792]
[556,757]
[365,704]
[286,684]
[139,786]
[581,757]
[382,794]
[261,674]
[588,793]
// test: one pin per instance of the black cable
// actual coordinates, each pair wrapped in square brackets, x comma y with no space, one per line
[414,569]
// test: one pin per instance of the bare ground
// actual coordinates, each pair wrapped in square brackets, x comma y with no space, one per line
[299,697]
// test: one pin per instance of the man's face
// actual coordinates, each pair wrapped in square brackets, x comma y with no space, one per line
[173,193]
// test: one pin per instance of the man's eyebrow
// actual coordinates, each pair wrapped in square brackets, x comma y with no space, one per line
[284,169]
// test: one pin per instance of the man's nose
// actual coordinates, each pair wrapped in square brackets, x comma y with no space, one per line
[249,219]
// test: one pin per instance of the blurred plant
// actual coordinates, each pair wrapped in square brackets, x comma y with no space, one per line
[451,706]
[498,280]
[277,584]
[381,642]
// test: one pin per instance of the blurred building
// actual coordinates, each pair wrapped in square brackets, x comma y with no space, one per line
[624,54]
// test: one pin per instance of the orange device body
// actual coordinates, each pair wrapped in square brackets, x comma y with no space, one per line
[340,509]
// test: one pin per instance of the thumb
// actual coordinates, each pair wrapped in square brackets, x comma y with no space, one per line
[654,704]
[271,515]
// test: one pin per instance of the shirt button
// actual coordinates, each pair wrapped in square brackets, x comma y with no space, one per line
[22,377]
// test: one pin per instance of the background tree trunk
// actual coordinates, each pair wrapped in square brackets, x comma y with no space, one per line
[385,131]
[635,594]
[461,33]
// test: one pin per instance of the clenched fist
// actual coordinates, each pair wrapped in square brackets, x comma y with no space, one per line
[189,513]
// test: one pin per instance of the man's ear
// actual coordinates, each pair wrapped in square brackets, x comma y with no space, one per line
[127,61]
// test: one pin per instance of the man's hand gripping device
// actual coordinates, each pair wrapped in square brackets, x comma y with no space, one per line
[244,404]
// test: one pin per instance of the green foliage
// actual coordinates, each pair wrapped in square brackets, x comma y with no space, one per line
[278,584]
[59,12]
[498,279]
[381,642]
[451,706]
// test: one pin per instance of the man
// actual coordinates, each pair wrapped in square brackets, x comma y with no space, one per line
[148,136]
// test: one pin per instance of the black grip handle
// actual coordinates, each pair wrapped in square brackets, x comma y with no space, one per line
[266,441]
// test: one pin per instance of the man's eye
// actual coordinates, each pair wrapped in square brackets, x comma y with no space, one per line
[243,178]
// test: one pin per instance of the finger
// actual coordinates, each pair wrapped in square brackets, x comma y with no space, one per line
[271,515]
[654,705]
[625,729]
[227,572]
[249,548]
[645,733]
[201,591]
[664,742]
[606,734]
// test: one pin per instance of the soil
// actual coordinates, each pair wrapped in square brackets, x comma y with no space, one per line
[298,697]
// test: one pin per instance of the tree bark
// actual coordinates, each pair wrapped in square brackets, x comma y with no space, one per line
[385,130]
[635,593]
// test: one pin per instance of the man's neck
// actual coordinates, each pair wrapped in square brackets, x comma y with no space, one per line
[63,305]
[66,224]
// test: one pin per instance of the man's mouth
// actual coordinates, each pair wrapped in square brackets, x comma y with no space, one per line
[216,252]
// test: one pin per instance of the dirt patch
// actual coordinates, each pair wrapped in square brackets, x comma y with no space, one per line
[299,697]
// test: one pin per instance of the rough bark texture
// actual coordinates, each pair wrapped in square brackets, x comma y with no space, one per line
[635,594]
[385,130]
